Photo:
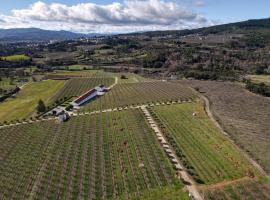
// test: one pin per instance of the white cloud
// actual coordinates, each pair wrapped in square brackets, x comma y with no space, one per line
[198,3]
[129,16]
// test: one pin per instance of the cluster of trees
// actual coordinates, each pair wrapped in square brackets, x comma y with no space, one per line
[154,59]
[259,88]
[9,94]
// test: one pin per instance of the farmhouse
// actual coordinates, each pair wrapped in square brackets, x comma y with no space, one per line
[90,94]
[85,97]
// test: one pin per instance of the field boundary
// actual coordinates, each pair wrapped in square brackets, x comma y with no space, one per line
[96,112]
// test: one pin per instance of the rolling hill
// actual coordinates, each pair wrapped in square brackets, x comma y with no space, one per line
[35,34]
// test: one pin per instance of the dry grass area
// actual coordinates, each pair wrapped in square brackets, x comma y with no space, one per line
[260,78]
[245,116]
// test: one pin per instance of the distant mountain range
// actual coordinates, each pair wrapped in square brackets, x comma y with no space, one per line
[254,25]
[35,34]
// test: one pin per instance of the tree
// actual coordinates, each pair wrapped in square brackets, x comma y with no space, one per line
[41,106]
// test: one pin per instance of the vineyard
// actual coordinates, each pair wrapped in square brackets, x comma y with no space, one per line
[243,115]
[207,155]
[140,93]
[77,86]
[249,189]
[126,77]
[101,156]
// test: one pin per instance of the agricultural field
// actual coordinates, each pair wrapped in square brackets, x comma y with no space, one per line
[23,105]
[16,58]
[208,156]
[260,79]
[6,84]
[242,114]
[129,77]
[246,189]
[77,86]
[106,156]
[140,93]
[71,74]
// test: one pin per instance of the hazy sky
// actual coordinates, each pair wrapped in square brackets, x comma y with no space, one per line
[127,15]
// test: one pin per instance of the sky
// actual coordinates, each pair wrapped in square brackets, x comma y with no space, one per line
[121,16]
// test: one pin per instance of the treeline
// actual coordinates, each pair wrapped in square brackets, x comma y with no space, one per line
[258,88]
[9,94]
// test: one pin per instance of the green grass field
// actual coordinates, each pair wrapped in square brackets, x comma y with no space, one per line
[25,102]
[103,156]
[15,58]
[206,153]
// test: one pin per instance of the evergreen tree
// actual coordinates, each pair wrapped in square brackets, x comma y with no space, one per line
[41,106]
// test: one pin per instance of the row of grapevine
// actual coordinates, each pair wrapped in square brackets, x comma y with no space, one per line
[102,156]
[77,86]
[140,93]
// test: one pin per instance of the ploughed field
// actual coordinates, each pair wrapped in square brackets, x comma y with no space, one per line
[244,116]
[77,86]
[140,93]
[110,155]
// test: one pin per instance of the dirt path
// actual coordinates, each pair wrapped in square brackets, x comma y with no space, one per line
[210,115]
[226,183]
[114,84]
[181,173]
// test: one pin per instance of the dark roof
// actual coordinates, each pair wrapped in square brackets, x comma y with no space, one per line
[85,95]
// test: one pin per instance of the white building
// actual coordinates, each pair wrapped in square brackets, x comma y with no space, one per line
[85,97]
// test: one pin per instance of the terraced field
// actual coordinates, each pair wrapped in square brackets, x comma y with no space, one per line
[208,156]
[105,156]
[77,86]
[140,93]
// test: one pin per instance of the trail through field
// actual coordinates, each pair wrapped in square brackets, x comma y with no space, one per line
[226,183]
[115,83]
[182,174]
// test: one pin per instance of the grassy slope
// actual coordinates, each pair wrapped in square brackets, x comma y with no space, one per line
[211,155]
[23,105]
